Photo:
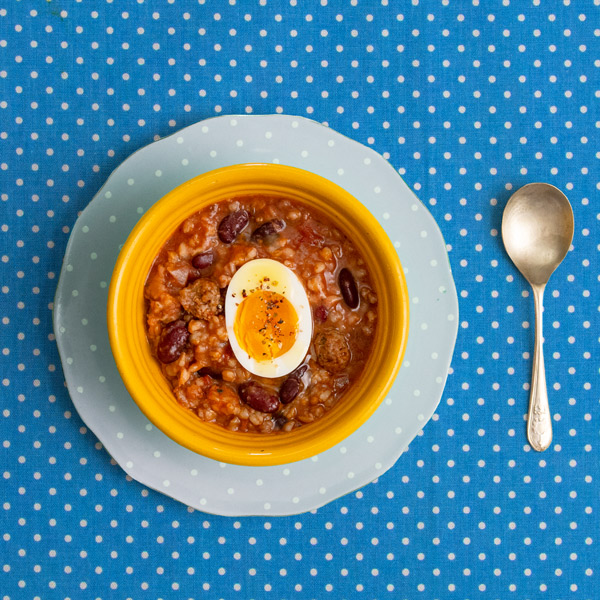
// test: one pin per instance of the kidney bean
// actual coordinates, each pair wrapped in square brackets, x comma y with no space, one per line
[204,260]
[299,372]
[291,387]
[289,390]
[268,230]
[279,421]
[208,371]
[321,314]
[348,288]
[258,397]
[172,342]
[232,225]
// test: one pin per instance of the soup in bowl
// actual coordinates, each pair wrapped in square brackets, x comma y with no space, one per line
[258,314]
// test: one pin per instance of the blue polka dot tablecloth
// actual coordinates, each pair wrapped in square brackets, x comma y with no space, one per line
[468,101]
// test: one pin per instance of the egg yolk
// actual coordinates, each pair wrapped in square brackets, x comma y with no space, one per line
[266,325]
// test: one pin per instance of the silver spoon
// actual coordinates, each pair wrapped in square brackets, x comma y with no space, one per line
[537,230]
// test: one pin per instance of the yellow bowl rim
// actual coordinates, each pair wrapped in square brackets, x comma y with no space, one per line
[125,325]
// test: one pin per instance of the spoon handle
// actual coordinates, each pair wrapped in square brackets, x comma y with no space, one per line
[539,421]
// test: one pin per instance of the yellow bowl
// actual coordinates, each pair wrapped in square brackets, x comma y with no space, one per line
[141,372]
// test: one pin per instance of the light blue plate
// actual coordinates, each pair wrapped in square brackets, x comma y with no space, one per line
[94,382]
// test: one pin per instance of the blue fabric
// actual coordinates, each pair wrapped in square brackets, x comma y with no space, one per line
[469,101]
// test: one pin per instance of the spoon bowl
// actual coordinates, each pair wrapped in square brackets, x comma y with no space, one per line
[537,231]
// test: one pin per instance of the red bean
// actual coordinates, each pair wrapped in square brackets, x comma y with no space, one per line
[279,421]
[321,314]
[268,230]
[204,371]
[299,372]
[289,390]
[348,288]
[199,263]
[258,397]
[232,225]
[204,260]
[292,386]
[172,342]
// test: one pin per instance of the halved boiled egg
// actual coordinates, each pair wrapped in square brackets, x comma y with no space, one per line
[268,318]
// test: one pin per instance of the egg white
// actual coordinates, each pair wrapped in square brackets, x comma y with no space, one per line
[285,282]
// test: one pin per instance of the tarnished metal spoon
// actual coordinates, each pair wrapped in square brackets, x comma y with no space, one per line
[537,230]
